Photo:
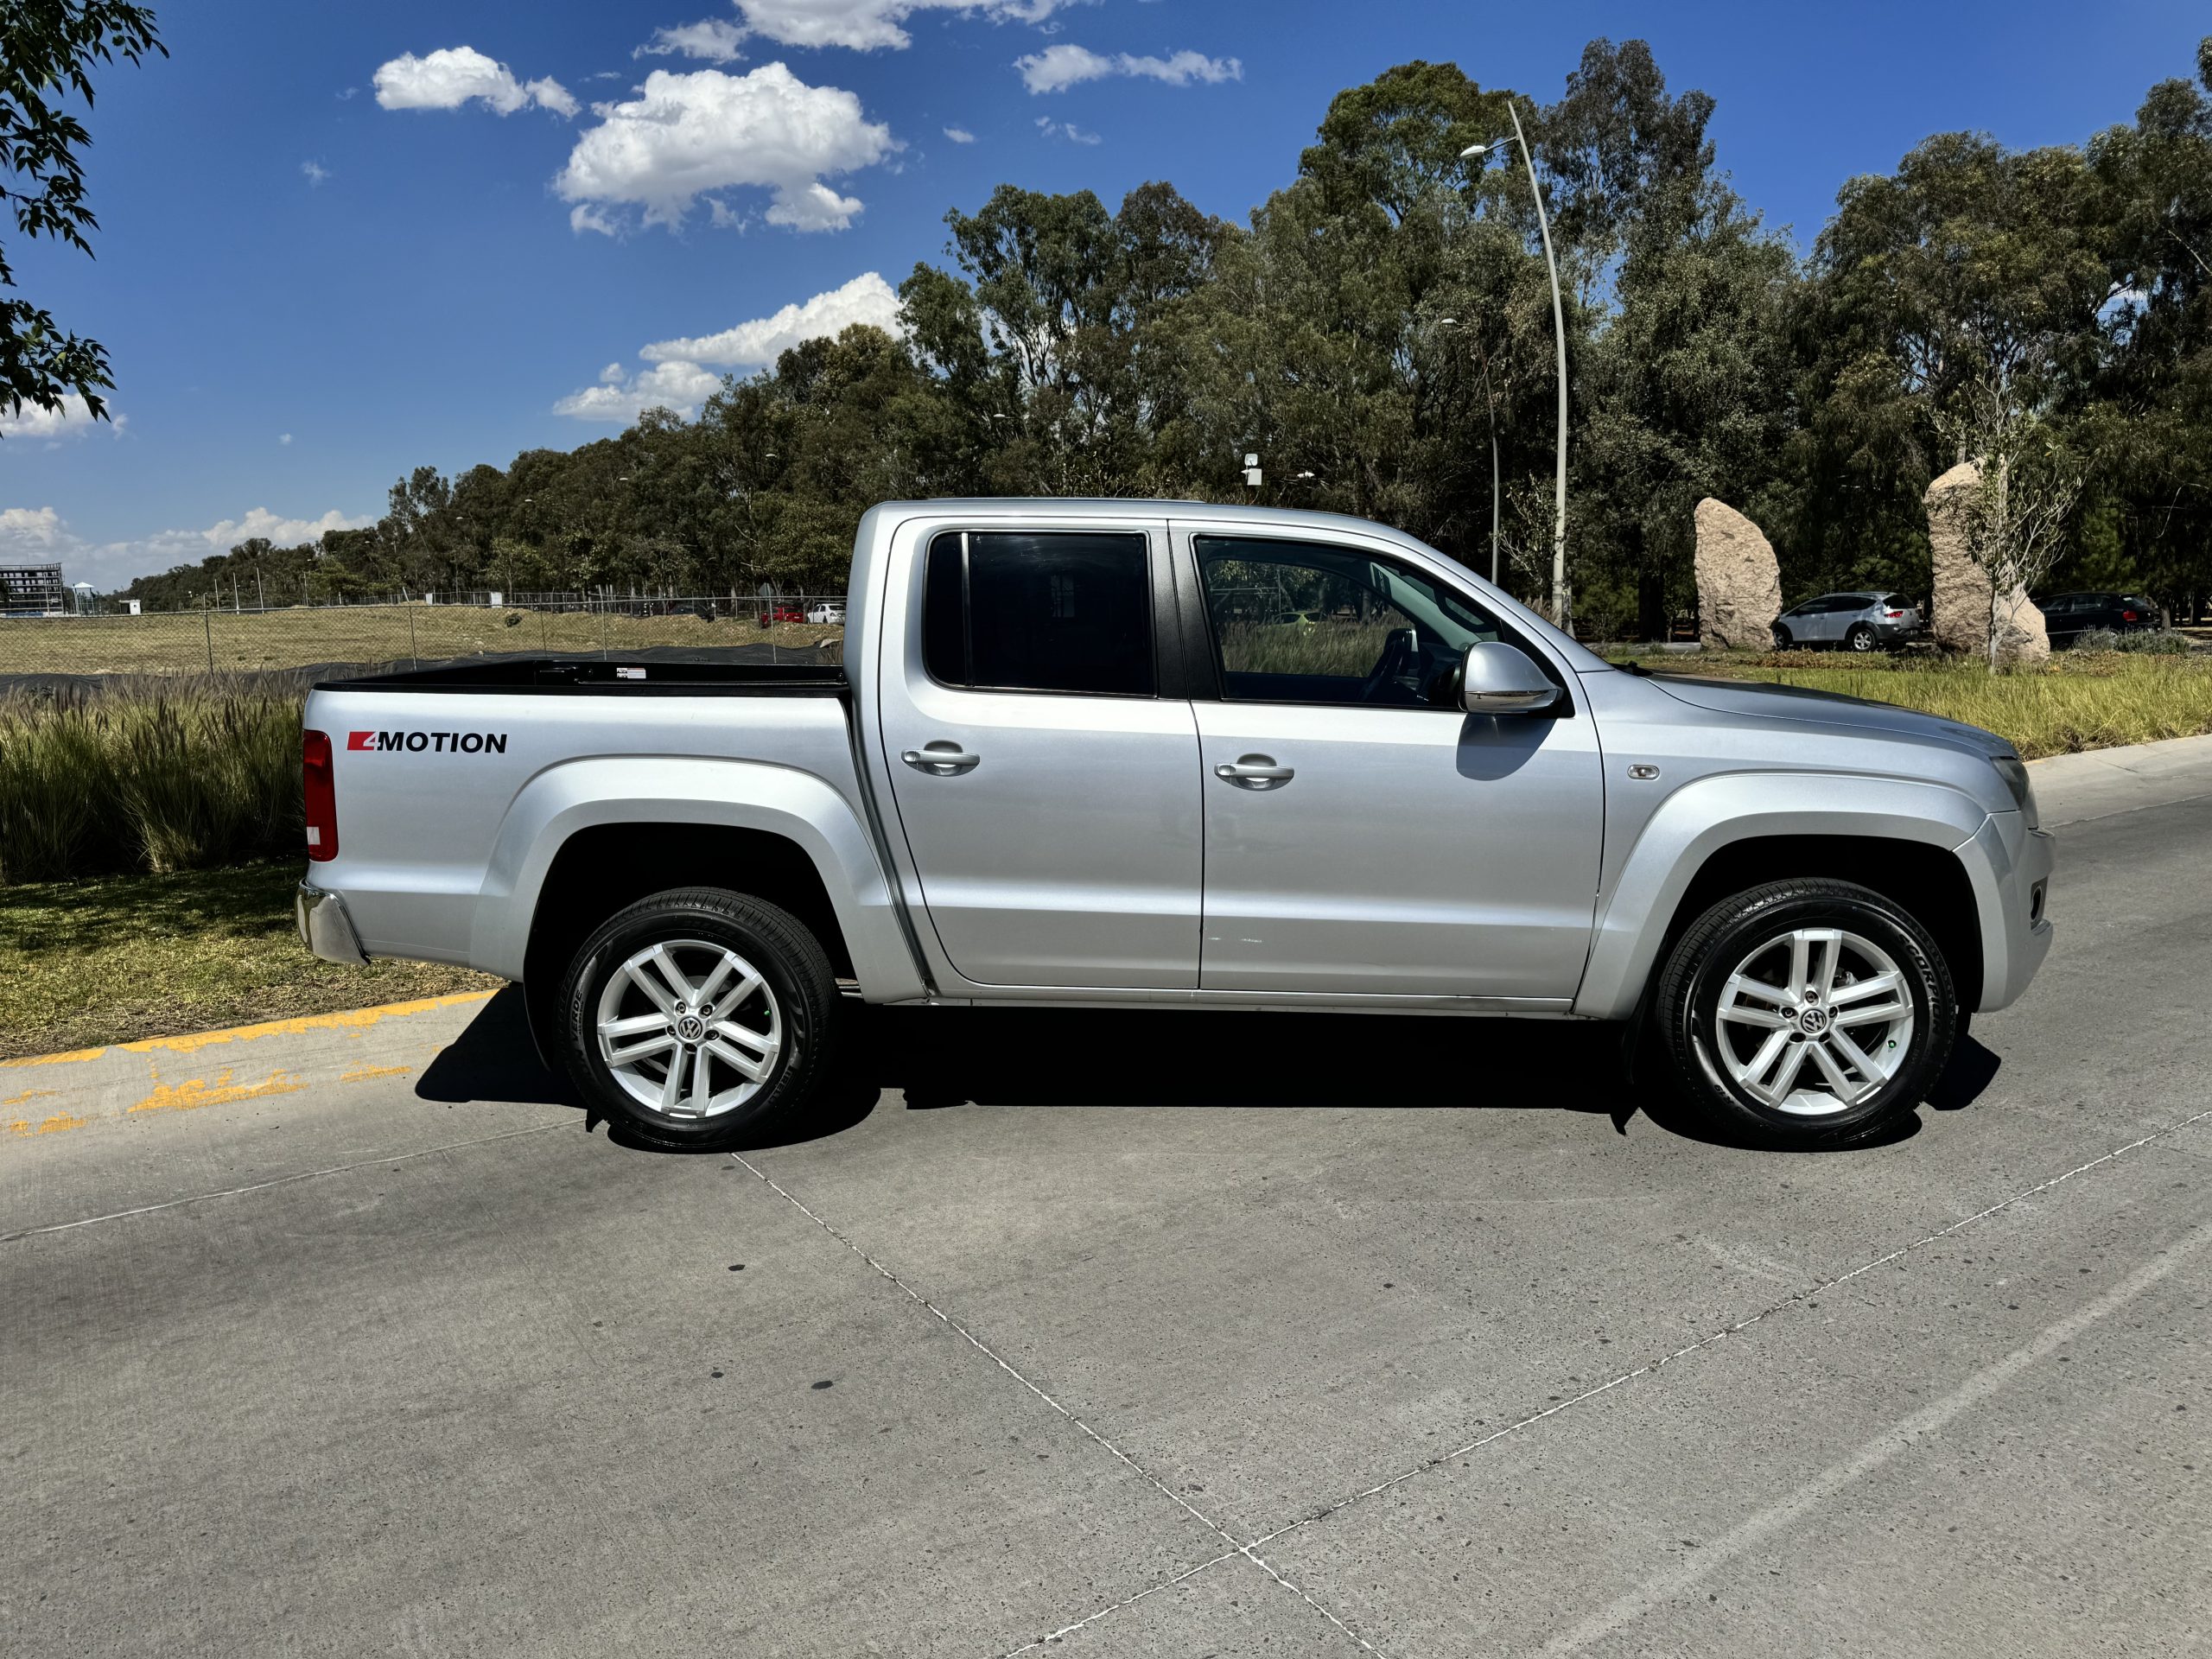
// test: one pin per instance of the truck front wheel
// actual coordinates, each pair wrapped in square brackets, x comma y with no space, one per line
[1807,1013]
[699,1019]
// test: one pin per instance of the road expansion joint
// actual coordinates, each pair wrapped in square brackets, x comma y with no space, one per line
[1796,1298]
[1234,1548]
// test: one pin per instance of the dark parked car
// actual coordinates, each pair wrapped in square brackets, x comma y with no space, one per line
[2069,616]
[1853,621]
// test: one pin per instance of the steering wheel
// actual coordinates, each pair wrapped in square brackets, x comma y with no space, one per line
[1401,651]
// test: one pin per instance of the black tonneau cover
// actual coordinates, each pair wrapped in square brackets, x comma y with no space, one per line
[598,676]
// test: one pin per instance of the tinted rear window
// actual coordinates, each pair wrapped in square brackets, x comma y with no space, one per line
[1043,611]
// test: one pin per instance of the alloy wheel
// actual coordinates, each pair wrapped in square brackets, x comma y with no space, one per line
[1814,1021]
[689,1029]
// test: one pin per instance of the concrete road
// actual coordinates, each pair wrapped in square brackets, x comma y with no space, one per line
[1169,1335]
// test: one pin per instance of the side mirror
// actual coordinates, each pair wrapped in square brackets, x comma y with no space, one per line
[1498,679]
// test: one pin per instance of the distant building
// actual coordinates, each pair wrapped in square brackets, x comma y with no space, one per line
[32,590]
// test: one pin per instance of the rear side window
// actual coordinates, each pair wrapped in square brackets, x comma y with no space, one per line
[1038,611]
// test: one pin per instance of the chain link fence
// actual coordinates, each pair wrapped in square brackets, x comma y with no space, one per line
[331,637]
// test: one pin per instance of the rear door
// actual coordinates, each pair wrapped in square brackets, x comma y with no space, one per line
[1806,624]
[1044,769]
[1831,613]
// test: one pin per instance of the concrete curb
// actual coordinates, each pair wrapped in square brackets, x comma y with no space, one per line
[2097,782]
[51,1094]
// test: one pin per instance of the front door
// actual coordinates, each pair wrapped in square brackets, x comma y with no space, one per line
[1363,836]
[1047,792]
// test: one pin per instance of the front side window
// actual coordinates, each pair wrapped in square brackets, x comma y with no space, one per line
[1038,611]
[1310,622]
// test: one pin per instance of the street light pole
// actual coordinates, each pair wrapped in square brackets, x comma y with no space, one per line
[1562,610]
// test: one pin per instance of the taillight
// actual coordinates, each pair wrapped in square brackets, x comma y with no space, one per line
[2128,616]
[320,789]
[1893,616]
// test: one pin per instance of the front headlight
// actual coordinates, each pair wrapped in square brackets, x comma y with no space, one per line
[2014,772]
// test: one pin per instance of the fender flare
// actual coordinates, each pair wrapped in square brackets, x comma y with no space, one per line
[801,808]
[1703,818]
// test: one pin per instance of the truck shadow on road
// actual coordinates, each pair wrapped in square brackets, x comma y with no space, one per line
[941,1058]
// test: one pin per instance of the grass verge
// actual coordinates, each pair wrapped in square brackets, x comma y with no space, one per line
[2080,700]
[108,961]
[224,642]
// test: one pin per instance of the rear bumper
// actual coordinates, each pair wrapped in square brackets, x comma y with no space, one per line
[325,925]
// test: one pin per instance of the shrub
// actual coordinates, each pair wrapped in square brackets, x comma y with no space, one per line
[2148,642]
[2157,642]
[177,774]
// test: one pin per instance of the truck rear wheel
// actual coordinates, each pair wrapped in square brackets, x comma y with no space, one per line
[699,1019]
[1807,1013]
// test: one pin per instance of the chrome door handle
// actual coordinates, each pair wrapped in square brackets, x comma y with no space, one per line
[942,759]
[1254,771]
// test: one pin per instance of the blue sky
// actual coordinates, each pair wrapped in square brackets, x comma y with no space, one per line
[338,242]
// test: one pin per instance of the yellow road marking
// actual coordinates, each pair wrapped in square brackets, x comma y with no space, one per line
[351,1019]
[27,1096]
[59,1120]
[193,1094]
[366,1072]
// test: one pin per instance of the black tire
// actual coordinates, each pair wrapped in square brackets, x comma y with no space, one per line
[1860,639]
[1783,638]
[797,999]
[1736,933]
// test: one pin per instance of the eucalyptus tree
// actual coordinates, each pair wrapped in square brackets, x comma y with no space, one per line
[2149,428]
[1684,386]
[1957,312]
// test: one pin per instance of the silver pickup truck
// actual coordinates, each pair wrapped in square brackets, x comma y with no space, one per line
[1143,753]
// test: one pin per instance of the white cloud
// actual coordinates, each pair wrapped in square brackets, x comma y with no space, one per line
[685,135]
[1059,67]
[32,533]
[681,377]
[716,40]
[222,536]
[960,134]
[868,298]
[73,420]
[42,534]
[315,171]
[680,386]
[451,76]
[815,208]
[284,437]
[865,25]
[1066,129]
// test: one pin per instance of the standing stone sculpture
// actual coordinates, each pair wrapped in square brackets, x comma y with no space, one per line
[1958,612]
[1738,583]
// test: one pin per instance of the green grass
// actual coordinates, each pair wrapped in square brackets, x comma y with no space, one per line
[87,963]
[2082,699]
